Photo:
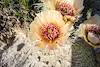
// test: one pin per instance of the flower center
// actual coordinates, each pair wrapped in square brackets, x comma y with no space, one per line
[94,29]
[50,32]
[66,9]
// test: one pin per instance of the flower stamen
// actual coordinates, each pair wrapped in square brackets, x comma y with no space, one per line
[66,8]
[50,32]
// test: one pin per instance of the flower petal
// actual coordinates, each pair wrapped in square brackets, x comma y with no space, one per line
[51,4]
[78,4]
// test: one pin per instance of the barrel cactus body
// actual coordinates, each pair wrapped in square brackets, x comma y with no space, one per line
[23,53]
[82,54]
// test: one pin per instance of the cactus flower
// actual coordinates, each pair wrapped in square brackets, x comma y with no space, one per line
[49,29]
[68,8]
[90,30]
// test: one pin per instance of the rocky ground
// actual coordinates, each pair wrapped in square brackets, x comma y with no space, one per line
[14,52]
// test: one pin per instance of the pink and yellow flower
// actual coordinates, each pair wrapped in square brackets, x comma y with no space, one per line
[90,30]
[65,7]
[49,29]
